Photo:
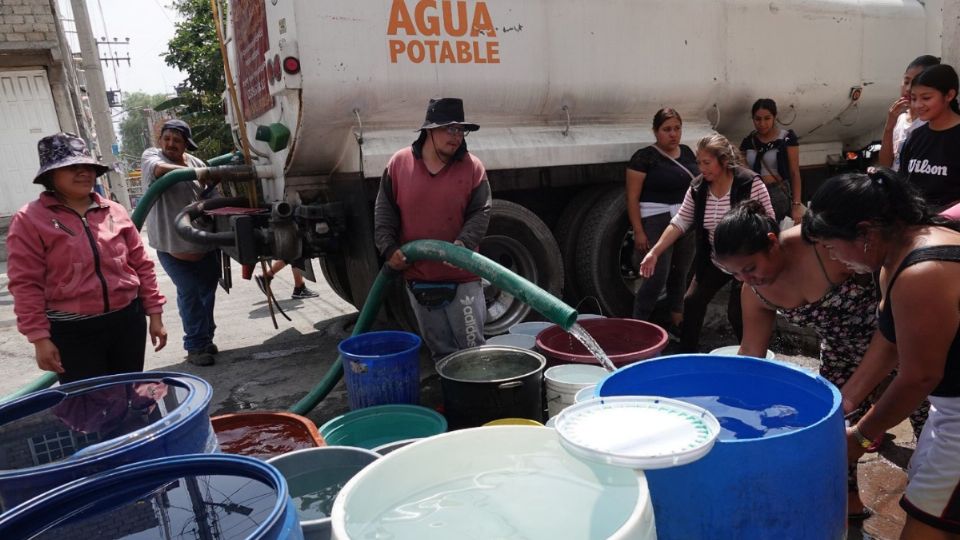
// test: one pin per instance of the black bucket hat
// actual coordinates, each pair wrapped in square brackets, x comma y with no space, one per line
[444,112]
[183,128]
[63,150]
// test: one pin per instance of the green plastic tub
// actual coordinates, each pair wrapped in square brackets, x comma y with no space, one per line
[376,426]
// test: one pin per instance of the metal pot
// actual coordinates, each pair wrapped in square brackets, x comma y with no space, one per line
[490,382]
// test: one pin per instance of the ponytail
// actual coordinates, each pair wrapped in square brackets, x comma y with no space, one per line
[744,230]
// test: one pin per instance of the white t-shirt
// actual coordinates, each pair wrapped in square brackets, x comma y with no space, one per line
[901,130]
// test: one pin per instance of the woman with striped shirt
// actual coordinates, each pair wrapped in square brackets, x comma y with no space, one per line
[722,183]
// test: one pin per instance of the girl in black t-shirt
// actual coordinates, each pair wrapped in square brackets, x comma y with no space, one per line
[930,158]
[774,154]
[658,177]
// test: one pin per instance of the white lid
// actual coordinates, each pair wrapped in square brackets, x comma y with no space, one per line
[640,432]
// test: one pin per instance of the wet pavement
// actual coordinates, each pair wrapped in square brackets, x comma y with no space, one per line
[260,368]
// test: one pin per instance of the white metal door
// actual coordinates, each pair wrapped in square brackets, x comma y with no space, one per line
[27,113]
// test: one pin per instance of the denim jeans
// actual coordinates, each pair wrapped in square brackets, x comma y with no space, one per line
[671,271]
[196,293]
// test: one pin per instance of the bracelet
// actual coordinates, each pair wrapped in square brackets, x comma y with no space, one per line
[861,439]
[796,204]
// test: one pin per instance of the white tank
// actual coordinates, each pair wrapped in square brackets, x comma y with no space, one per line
[556,82]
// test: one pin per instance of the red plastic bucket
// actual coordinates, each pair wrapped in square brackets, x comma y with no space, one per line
[265,434]
[624,340]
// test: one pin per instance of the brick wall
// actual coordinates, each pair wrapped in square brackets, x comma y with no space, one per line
[27,24]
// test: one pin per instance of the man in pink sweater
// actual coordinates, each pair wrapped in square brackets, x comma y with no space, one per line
[435,189]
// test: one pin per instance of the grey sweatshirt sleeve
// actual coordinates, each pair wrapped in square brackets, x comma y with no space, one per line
[476,216]
[386,218]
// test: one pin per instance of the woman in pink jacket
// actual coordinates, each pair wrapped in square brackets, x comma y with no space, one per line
[79,275]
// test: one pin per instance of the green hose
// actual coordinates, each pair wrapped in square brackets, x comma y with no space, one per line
[436,250]
[139,215]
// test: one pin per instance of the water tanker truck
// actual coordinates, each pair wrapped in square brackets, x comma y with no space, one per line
[564,92]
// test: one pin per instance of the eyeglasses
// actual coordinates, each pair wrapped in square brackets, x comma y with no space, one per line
[456,130]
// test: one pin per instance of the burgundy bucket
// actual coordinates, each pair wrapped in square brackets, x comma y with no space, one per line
[624,340]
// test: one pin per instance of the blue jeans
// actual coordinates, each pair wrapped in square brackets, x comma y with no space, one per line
[196,293]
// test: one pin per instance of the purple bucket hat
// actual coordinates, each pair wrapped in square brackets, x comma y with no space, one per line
[63,150]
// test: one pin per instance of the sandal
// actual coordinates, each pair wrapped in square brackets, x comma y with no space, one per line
[861,515]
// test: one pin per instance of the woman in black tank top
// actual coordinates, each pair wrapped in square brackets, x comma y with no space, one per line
[879,223]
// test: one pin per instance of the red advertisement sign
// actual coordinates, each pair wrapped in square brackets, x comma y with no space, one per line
[250,35]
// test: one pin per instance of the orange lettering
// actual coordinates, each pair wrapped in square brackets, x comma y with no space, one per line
[493,52]
[415,51]
[429,26]
[482,23]
[463,52]
[477,57]
[400,19]
[432,45]
[446,53]
[448,18]
[396,47]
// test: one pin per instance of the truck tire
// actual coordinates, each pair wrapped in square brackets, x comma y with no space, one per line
[604,255]
[334,270]
[520,241]
[567,233]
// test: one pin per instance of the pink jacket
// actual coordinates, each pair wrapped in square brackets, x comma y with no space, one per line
[58,260]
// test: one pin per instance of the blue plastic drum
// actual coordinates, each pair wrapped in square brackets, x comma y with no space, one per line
[381,368]
[778,469]
[215,497]
[52,437]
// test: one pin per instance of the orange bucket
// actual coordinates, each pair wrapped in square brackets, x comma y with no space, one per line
[265,434]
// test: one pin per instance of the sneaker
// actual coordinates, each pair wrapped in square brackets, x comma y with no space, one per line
[673,333]
[303,292]
[200,358]
[262,282]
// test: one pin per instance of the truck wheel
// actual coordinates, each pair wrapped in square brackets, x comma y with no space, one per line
[520,241]
[567,232]
[334,270]
[604,256]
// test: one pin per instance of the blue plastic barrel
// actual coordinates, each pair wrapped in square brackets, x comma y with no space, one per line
[381,368]
[791,484]
[54,436]
[217,496]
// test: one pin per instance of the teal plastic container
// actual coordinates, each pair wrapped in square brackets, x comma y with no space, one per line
[381,368]
[315,477]
[786,478]
[197,496]
[375,426]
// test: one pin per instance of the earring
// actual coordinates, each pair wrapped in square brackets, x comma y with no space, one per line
[866,246]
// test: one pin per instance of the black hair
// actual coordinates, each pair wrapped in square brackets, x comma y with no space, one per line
[764,103]
[744,229]
[880,197]
[422,138]
[46,180]
[943,78]
[663,115]
[923,62]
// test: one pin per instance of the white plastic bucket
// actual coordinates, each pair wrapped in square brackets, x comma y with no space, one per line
[541,491]
[585,393]
[530,328]
[563,382]
[523,341]
[732,350]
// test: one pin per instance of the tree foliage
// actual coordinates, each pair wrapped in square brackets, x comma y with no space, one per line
[195,51]
[134,132]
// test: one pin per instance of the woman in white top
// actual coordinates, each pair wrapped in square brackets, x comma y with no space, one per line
[900,119]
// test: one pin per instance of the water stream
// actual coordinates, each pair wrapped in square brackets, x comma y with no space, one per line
[592,346]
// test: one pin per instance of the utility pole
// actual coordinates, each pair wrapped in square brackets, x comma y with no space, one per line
[97,93]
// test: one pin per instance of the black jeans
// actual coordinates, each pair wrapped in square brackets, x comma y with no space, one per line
[671,270]
[112,343]
[706,283]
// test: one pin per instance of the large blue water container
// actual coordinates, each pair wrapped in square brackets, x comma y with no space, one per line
[787,485]
[51,437]
[215,496]
[381,368]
